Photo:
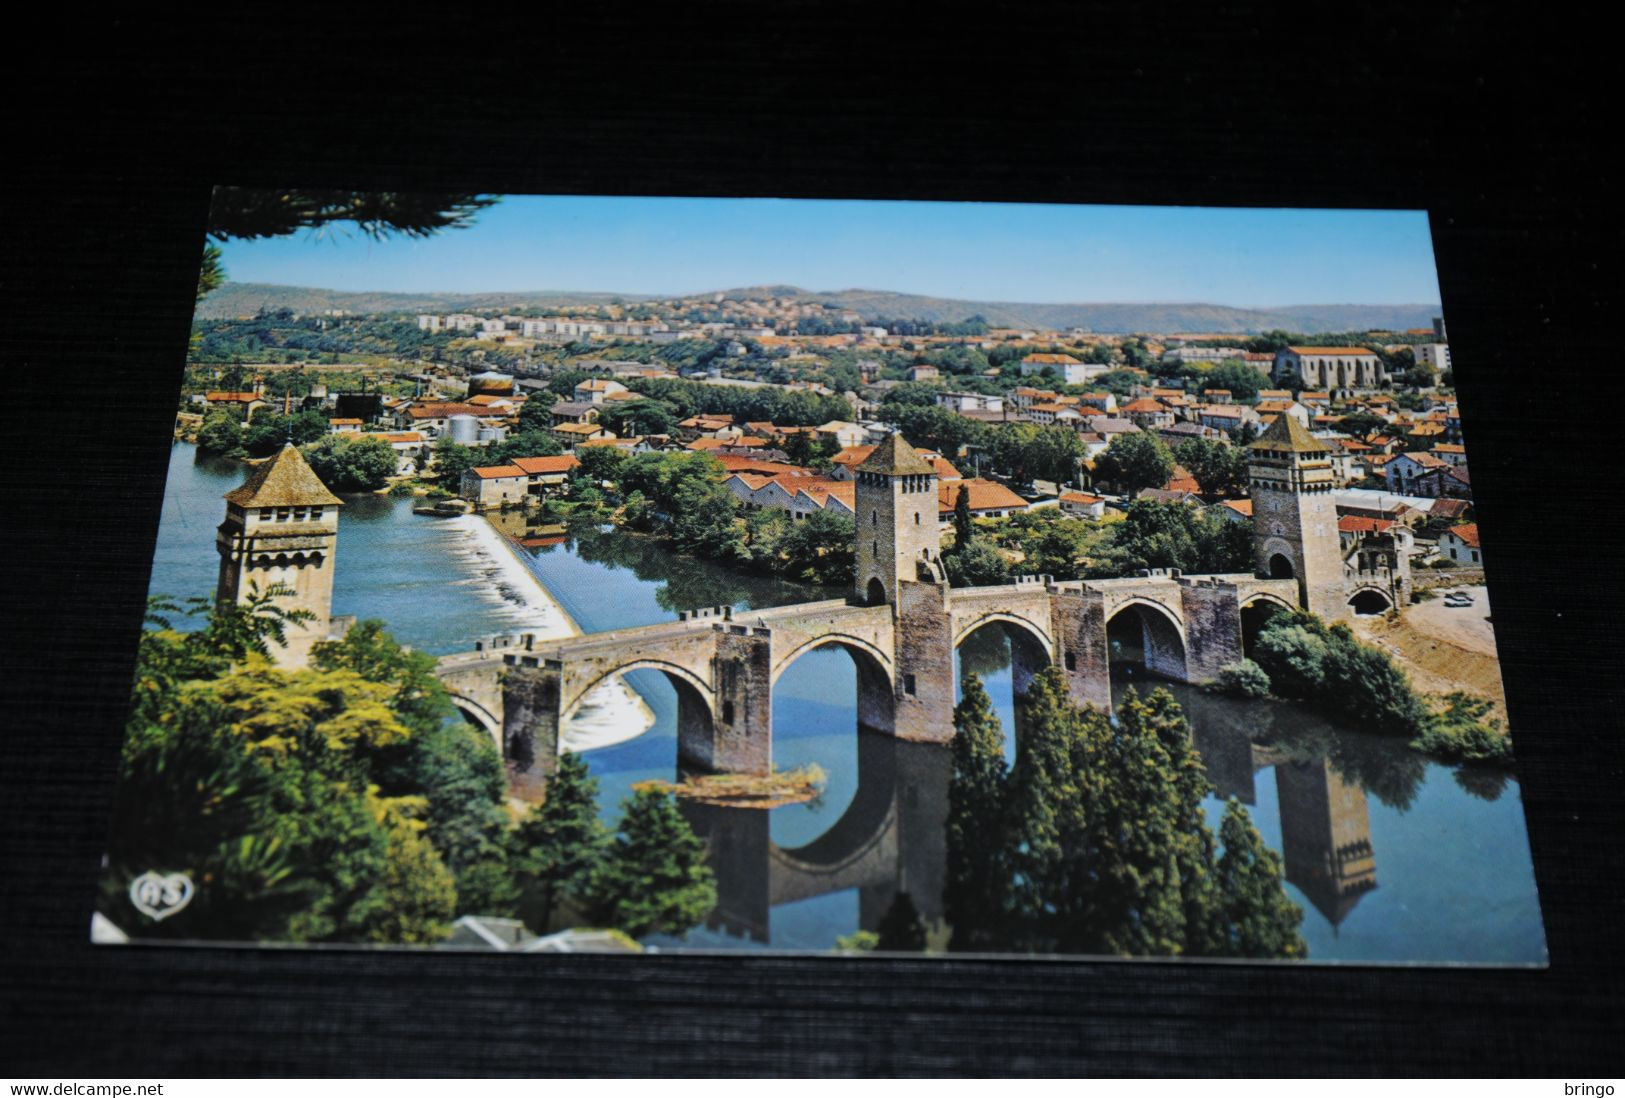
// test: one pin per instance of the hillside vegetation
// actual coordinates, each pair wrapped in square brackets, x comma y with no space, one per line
[247,298]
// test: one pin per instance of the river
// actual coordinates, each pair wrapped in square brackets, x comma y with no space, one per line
[1394,858]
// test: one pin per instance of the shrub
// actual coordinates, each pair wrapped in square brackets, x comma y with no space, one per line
[1465,732]
[1330,669]
[1244,679]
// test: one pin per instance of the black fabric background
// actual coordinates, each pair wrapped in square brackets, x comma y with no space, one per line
[1499,122]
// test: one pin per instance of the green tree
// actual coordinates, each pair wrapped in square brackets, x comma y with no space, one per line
[222,434]
[964,529]
[312,850]
[654,879]
[1361,424]
[976,564]
[1220,469]
[1258,918]
[636,418]
[352,464]
[523,443]
[210,275]
[268,431]
[455,766]
[1175,535]
[977,875]
[1241,379]
[1244,679]
[818,549]
[558,848]
[1135,461]
[1330,669]
[451,461]
[600,463]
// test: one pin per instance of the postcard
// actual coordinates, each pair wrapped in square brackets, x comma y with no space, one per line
[621,575]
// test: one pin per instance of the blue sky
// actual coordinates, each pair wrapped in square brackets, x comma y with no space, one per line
[979,251]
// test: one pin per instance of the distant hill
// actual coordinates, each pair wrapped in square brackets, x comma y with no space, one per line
[246,298]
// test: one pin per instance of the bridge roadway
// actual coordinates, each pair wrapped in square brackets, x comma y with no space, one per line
[723,664]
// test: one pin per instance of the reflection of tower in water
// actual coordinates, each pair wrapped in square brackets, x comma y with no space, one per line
[1325,837]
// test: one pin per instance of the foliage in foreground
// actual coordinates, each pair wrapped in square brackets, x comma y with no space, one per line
[344,803]
[1096,840]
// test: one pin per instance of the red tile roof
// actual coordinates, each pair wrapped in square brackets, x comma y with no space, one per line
[1467,532]
[1359,524]
[985,495]
[559,463]
[495,472]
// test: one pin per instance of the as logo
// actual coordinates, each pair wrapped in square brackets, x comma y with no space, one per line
[159,896]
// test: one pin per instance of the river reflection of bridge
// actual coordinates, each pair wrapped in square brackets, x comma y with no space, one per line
[890,839]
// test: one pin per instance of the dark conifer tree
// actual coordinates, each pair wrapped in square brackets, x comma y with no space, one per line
[964,531]
[654,878]
[558,849]
[977,877]
[1260,921]
[901,929]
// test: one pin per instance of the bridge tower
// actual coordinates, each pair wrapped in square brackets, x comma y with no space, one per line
[281,529]
[897,533]
[1289,474]
[899,563]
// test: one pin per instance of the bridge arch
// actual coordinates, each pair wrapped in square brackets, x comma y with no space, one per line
[1256,611]
[478,715]
[1038,633]
[696,708]
[986,646]
[876,691]
[679,676]
[857,647]
[1155,631]
[1369,601]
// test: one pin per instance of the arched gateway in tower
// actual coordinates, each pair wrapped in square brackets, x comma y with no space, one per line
[280,531]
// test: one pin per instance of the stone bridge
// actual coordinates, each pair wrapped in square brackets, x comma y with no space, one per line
[723,664]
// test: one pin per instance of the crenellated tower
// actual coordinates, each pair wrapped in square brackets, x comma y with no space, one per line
[898,537]
[281,530]
[1289,476]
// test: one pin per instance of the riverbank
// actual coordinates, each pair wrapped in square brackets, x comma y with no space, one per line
[1442,648]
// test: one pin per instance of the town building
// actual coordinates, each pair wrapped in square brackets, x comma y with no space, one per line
[1460,544]
[1082,505]
[1062,367]
[595,390]
[970,402]
[1341,369]
[521,479]
[1436,355]
[986,498]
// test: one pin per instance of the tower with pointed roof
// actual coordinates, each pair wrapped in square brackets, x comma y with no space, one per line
[897,534]
[1289,476]
[280,531]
